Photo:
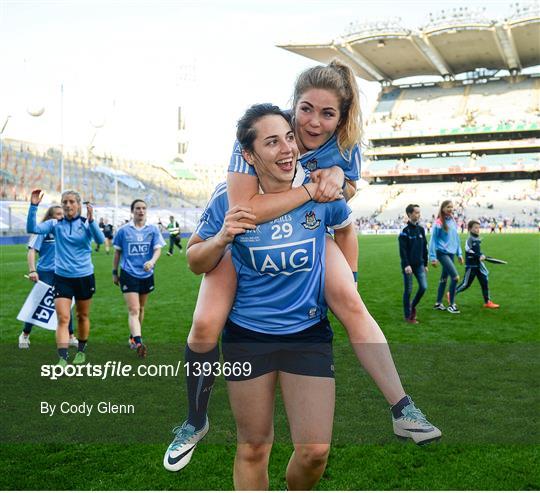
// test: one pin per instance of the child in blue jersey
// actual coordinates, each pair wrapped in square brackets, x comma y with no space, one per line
[44,271]
[443,246]
[73,272]
[137,249]
[327,124]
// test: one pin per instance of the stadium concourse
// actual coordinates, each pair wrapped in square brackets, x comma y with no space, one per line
[457,116]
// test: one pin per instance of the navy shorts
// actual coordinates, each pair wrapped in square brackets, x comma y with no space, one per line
[132,284]
[80,288]
[308,352]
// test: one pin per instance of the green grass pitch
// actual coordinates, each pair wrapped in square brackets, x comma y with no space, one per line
[474,374]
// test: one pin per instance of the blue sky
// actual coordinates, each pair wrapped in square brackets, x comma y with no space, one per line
[120,66]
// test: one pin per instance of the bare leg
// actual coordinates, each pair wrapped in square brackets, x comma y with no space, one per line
[252,403]
[142,303]
[134,312]
[309,402]
[216,296]
[366,337]
[83,318]
[63,314]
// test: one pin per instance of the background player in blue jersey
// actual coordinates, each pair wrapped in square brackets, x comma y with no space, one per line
[279,309]
[73,271]
[443,246]
[327,121]
[44,245]
[137,249]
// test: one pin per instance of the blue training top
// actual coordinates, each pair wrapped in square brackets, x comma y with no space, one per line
[73,256]
[137,246]
[444,241]
[326,156]
[280,265]
[45,246]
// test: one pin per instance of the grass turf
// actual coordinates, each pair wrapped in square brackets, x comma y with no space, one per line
[504,457]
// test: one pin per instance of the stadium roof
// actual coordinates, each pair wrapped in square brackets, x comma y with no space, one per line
[450,44]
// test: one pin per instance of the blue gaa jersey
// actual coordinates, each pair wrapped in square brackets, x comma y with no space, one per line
[45,246]
[326,156]
[73,255]
[137,246]
[212,218]
[280,265]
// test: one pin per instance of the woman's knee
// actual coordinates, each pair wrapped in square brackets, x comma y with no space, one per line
[205,328]
[312,455]
[63,318]
[134,311]
[82,318]
[254,453]
[347,297]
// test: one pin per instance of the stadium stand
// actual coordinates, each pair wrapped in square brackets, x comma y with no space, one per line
[467,127]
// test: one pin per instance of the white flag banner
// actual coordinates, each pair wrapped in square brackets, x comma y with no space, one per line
[38,309]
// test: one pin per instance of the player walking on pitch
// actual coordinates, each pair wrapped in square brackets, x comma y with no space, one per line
[73,271]
[137,249]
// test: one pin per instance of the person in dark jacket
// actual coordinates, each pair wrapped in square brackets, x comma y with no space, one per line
[474,265]
[414,261]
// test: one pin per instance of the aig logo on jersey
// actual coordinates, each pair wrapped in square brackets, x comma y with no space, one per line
[311,221]
[138,248]
[284,259]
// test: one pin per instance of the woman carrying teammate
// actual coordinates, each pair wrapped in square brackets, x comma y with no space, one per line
[326,115]
[73,271]
[277,330]
[137,249]
[44,271]
[443,246]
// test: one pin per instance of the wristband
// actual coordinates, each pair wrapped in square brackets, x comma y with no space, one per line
[33,272]
[355,276]
[115,272]
[307,191]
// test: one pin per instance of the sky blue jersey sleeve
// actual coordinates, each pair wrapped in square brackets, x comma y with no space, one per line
[338,214]
[238,164]
[95,232]
[212,218]
[352,170]
[35,242]
[118,239]
[32,226]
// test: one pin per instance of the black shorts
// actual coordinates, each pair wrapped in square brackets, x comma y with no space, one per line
[308,352]
[132,284]
[80,288]
[109,236]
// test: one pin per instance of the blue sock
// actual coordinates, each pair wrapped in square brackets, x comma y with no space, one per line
[137,340]
[199,387]
[63,353]
[398,406]
[82,346]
